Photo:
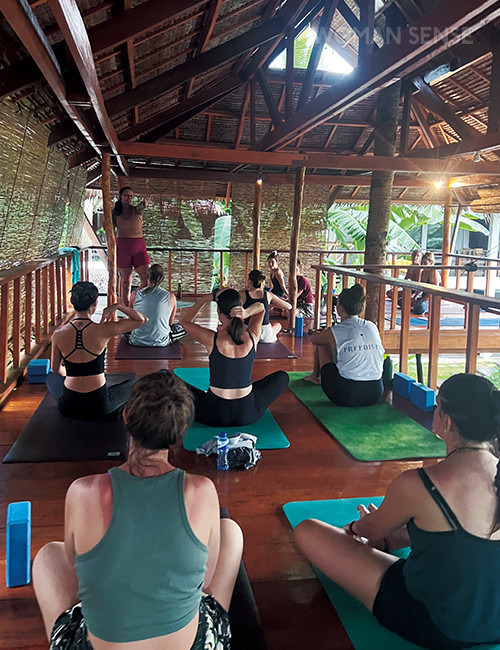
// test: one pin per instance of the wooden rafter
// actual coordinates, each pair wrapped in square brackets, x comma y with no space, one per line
[482,143]
[427,133]
[269,99]
[458,19]
[71,24]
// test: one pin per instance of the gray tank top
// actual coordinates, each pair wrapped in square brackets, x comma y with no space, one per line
[155,305]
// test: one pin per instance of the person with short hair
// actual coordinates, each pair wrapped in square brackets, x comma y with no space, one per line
[232,398]
[348,356]
[78,352]
[159,306]
[446,594]
[130,246]
[146,561]
[255,292]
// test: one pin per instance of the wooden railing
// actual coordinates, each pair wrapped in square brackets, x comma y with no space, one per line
[33,300]
[432,340]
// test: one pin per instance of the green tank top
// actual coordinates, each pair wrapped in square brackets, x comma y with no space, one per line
[144,578]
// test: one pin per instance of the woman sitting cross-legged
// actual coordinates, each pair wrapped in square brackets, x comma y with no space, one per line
[145,550]
[159,306]
[77,380]
[446,594]
[256,293]
[348,357]
[232,399]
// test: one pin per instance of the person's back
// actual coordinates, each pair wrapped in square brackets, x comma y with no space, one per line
[155,305]
[359,349]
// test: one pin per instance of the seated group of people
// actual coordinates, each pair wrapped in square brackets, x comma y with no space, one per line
[419,299]
[148,563]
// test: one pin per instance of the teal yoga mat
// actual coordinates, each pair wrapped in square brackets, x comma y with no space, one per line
[268,433]
[370,433]
[362,627]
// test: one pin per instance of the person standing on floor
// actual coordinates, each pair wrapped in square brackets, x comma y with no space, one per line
[348,356]
[146,561]
[131,250]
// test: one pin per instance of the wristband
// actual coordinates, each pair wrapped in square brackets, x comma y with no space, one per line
[350,528]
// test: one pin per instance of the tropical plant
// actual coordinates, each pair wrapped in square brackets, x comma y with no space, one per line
[222,239]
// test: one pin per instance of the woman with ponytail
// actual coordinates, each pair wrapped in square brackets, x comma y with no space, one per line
[446,594]
[232,399]
[348,357]
[255,292]
[159,307]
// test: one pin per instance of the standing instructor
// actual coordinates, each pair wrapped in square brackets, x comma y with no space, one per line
[130,246]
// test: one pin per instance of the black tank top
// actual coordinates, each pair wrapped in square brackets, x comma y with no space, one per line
[86,368]
[251,301]
[226,372]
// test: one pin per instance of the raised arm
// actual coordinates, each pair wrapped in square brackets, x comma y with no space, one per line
[256,314]
[275,301]
[202,334]
[134,319]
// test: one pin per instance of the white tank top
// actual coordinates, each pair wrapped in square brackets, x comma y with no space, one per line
[359,349]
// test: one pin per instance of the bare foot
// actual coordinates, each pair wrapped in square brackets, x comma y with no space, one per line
[312,378]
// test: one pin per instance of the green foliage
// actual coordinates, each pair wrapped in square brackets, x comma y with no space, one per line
[222,239]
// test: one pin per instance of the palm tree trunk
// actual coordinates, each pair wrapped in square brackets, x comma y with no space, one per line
[381,189]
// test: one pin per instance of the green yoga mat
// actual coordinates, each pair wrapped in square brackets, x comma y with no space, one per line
[370,433]
[362,627]
[267,431]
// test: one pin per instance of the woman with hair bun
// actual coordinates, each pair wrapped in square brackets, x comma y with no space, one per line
[446,594]
[232,399]
[146,562]
[255,292]
[348,357]
[77,380]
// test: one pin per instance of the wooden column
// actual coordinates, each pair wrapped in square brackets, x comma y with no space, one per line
[257,204]
[446,236]
[300,175]
[472,340]
[434,318]
[108,227]
[16,324]
[404,337]
[4,330]
[28,312]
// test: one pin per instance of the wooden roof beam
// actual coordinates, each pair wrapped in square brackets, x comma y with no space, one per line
[481,144]
[71,24]
[197,66]
[269,99]
[23,21]
[17,76]
[457,20]
[317,50]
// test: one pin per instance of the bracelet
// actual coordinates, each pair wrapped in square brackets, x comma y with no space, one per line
[350,528]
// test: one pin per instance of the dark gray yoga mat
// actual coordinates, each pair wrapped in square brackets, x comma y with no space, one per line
[50,436]
[127,351]
[274,350]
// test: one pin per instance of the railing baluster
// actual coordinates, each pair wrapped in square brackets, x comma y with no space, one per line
[404,336]
[487,290]
[317,303]
[4,330]
[329,298]
[16,324]
[45,299]
[458,272]
[52,295]
[170,270]
[472,340]
[28,311]
[246,266]
[59,270]
[38,306]
[196,273]
[434,320]
[381,311]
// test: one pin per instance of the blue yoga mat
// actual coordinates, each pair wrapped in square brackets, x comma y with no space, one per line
[449,322]
[362,627]
[267,431]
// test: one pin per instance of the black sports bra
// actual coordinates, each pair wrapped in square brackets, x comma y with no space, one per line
[229,372]
[86,368]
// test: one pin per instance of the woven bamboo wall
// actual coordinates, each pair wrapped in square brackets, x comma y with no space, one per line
[36,191]
[180,215]
[276,224]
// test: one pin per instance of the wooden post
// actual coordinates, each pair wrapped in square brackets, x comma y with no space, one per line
[59,271]
[446,236]
[257,203]
[472,339]
[317,304]
[329,299]
[108,227]
[434,318]
[405,331]
[45,299]
[300,175]
[196,273]
[52,294]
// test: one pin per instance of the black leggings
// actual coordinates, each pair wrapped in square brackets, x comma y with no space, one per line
[100,404]
[347,392]
[218,412]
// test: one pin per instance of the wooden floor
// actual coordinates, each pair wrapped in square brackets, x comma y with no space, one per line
[294,609]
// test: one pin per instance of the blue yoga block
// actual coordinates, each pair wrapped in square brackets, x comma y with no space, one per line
[38,369]
[402,384]
[424,398]
[18,539]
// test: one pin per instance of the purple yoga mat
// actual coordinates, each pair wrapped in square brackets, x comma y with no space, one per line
[126,351]
[274,350]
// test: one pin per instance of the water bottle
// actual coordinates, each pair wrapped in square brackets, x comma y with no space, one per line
[222,448]
[299,326]
[179,290]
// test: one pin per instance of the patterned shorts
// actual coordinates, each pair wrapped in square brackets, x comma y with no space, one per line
[70,630]
[305,308]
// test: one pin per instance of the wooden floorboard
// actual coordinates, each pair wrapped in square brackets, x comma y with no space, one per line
[294,609]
